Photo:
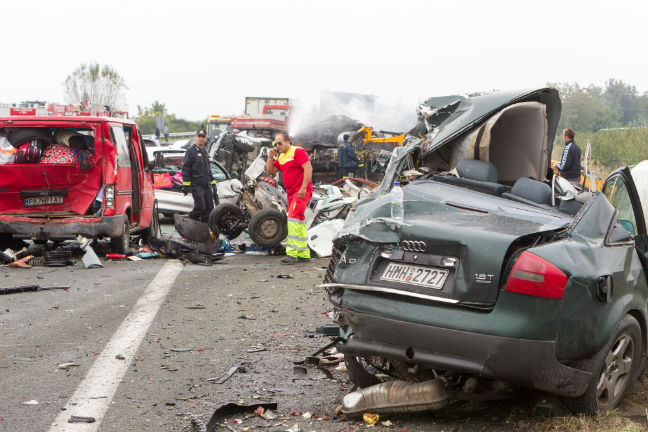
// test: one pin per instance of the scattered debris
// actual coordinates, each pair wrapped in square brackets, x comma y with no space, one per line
[58,258]
[180,349]
[227,374]
[134,258]
[68,365]
[266,413]
[370,418]
[30,402]
[29,288]
[81,419]
[90,258]
[550,407]
[233,408]
[115,256]
[25,262]
[247,317]
[198,306]
[387,423]
[283,276]
[307,415]
[120,357]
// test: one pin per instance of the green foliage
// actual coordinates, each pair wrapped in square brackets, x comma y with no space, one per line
[146,119]
[613,118]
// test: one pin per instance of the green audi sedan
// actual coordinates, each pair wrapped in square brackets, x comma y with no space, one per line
[499,275]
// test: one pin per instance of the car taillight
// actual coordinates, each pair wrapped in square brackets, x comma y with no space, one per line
[535,276]
[109,194]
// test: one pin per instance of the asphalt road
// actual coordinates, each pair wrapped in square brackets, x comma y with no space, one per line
[146,337]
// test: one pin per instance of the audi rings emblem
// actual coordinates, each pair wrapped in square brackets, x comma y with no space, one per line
[413,246]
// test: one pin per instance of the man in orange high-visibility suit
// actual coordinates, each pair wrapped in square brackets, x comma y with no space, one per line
[296,169]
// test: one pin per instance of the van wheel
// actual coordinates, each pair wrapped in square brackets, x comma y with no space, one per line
[268,228]
[121,244]
[154,229]
[613,368]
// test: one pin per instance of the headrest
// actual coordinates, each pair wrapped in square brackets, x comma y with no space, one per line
[533,190]
[477,170]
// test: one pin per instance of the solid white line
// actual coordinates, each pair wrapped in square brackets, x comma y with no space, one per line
[106,373]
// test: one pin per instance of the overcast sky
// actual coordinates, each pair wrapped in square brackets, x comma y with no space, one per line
[204,57]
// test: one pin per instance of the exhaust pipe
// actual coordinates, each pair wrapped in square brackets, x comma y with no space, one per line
[397,397]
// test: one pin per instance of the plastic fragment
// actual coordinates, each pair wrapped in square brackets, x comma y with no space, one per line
[370,418]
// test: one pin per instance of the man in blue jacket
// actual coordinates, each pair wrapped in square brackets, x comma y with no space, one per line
[569,166]
[348,161]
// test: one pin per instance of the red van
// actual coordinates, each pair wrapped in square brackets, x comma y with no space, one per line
[74,175]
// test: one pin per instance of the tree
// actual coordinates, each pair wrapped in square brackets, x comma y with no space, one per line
[101,85]
[146,119]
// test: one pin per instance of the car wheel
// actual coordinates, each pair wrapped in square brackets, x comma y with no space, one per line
[268,228]
[226,218]
[121,244]
[613,368]
[154,229]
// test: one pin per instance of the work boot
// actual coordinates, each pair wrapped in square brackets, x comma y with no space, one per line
[288,260]
[303,260]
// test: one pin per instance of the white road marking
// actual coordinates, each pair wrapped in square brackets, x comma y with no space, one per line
[95,393]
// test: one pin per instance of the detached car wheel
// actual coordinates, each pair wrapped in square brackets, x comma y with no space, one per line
[121,244]
[226,218]
[613,368]
[268,228]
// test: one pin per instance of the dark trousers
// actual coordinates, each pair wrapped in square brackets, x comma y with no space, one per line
[203,197]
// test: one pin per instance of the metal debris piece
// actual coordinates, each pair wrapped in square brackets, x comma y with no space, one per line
[67,365]
[227,374]
[232,408]
[180,349]
[30,288]
[81,419]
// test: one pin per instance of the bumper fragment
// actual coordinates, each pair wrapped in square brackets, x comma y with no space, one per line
[41,228]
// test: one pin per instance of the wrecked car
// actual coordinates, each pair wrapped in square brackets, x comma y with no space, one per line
[167,181]
[75,176]
[499,274]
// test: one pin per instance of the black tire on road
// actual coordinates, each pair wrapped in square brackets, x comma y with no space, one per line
[154,229]
[268,228]
[121,244]
[226,218]
[23,135]
[613,368]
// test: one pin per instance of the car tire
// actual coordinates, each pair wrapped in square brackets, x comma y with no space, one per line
[29,134]
[623,349]
[226,218]
[121,244]
[154,229]
[268,228]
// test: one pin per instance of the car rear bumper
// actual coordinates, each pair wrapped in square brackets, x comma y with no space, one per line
[65,227]
[529,363]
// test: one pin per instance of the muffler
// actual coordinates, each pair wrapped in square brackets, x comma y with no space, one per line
[397,397]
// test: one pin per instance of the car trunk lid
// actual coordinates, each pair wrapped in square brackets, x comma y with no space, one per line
[456,230]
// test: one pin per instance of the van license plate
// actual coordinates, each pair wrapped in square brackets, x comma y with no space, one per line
[37,201]
[429,277]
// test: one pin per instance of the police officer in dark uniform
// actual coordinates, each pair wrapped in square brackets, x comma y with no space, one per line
[197,177]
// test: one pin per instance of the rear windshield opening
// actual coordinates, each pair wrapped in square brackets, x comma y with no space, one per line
[42,145]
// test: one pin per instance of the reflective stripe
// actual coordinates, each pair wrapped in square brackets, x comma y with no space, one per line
[186,183]
[296,237]
[297,221]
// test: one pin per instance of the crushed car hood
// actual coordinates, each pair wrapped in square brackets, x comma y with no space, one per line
[450,116]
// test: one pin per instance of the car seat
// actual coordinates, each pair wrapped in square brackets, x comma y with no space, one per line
[476,175]
[529,191]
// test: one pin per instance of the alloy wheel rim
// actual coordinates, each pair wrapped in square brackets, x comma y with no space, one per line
[616,371]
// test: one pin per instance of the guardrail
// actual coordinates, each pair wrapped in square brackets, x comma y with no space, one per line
[172,135]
